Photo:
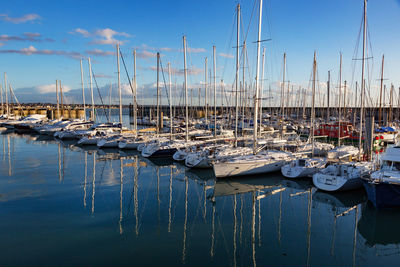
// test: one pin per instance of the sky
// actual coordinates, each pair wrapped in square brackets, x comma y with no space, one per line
[44,41]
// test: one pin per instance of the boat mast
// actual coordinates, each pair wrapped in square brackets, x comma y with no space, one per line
[119,88]
[205,88]
[83,92]
[313,103]
[2,104]
[5,89]
[237,74]
[170,100]
[158,93]
[186,89]
[257,82]
[215,94]
[340,93]
[244,100]
[58,101]
[62,101]
[390,103]
[344,99]
[92,117]
[261,87]
[380,94]
[362,80]
[283,87]
[328,87]
[135,93]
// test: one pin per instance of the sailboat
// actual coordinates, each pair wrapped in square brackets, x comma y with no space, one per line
[258,162]
[304,167]
[345,176]
[383,186]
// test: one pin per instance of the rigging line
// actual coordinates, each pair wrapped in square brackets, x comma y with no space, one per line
[165,84]
[229,44]
[127,74]
[251,17]
[98,91]
[355,53]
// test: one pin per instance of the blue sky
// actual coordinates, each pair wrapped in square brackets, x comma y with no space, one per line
[41,41]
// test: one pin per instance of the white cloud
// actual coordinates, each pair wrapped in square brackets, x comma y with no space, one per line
[31,50]
[191,71]
[51,88]
[18,20]
[102,36]
[84,32]
[195,50]
[145,54]
[99,52]
[226,55]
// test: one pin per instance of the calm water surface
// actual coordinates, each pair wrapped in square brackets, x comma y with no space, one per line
[61,205]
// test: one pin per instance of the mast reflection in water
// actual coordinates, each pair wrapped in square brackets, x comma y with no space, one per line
[63,205]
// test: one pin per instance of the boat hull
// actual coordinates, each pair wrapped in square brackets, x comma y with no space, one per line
[333,183]
[383,195]
[297,172]
[200,163]
[229,169]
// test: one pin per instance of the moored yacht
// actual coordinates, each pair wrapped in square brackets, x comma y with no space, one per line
[303,167]
[383,185]
[342,176]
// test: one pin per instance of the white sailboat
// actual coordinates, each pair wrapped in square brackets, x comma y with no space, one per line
[261,162]
[342,176]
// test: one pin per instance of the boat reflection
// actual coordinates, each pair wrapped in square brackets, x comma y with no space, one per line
[233,186]
[380,229]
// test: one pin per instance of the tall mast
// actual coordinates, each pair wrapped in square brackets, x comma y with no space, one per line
[390,103]
[244,81]
[344,99]
[5,89]
[119,88]
[92,117]
[257,81]
[362,80]
[158,92]
[313,103]
[328,87]
[380,94]
[2,104]
[83,92]
[170,100]
[261,87]
[135,93]
[340,93]
[237,73]
[58,100]
[205,88]
[215,93]
[186,89]
[62,100]
[283,89]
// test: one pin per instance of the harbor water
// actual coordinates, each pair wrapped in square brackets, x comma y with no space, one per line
[61,205]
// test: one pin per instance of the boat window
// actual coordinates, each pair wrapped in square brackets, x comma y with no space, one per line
[302,162]
[396,165]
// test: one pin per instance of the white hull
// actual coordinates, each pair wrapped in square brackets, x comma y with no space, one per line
[103,143]
[335,183]
[198,162]
[128,145]
[180,155]
[298,172]
[228,169]
[86,141]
